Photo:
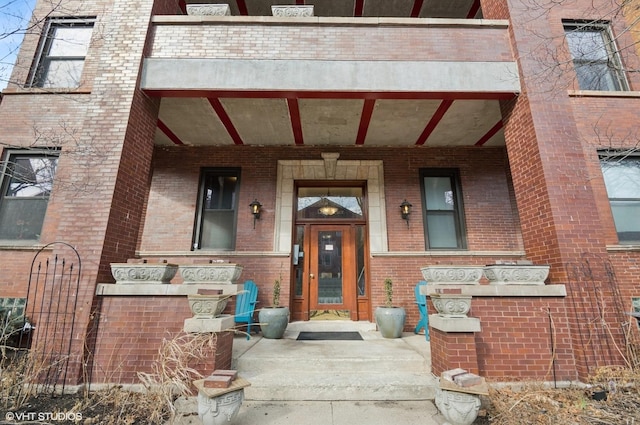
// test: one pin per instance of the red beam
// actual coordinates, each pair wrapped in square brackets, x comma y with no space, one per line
[474,9]
[417,7]
[296,122]
[484,139]
[170,134]
[358,8]
[226,121]
[365,119]
[300,2]
[242,8]
[288,94]
[182,4]
[435,119]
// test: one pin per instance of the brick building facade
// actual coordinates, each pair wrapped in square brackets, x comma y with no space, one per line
[166,126]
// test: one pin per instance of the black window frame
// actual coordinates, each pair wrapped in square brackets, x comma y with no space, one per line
[620,156]
[458,211]
[613,61]
[200,209]
[9,175]
[42,60]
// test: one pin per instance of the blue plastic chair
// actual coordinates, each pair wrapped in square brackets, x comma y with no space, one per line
[246,305]
[421,300]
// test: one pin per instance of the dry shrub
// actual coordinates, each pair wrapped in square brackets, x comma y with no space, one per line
[539,404]
[173,372]
[175,369]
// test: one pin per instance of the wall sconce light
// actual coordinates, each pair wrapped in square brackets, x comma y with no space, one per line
[255,210]
[405,210]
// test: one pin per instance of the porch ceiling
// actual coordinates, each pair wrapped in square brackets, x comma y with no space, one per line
[319,119]
[252,112]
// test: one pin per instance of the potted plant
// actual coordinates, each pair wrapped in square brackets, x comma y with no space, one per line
[389,319]
[275,318]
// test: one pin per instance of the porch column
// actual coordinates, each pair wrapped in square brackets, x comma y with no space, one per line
[556,203]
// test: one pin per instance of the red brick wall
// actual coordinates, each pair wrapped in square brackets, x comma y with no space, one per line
[520,336]
[491,220]
[451,350]
[131,331]
[332,42]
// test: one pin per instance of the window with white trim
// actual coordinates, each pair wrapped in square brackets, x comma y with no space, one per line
[62,51]
[25,186]
[622,180]
[595,56]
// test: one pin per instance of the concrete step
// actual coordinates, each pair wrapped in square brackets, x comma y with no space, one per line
[307,386]
[372,369]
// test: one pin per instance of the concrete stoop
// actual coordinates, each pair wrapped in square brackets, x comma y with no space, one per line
[372,369]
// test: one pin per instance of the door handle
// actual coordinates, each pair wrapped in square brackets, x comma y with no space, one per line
[311,276]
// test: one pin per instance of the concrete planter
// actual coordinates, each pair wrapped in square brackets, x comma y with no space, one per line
[455,275]
[219,273]
[208,9]
[144,273]
[516,274]
[390,321]
[207,306]
[301,11]
[273,321]
[458,408]
[451,305]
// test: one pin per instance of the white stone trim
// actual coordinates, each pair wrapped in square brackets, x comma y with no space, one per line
[370,170]
[454,324]
[500,290]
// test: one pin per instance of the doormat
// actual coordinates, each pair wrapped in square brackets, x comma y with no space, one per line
[329,336]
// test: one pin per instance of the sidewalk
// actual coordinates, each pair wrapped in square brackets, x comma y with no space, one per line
[328,413]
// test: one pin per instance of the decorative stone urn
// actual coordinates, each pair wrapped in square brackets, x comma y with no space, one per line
[457,275]
[516,274]
[220,273]
[451,305]
[218,406]
[207,306]
[457,408]
[143,273]
[208,9]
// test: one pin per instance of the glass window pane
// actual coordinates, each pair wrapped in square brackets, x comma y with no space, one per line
[596,76]
[330,267]
[21,219]
[217,230]
[438,193]
[70,41]
[626,215]
[334,202]
[441,230]
[220,192]
[587,45]
[298,260]
[62,73]
[31,176]
[622,177]
[360,265]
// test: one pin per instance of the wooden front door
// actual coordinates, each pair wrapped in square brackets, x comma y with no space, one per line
[332,277]
[329,274]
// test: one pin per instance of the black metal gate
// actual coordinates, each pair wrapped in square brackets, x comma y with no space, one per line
[52,296]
